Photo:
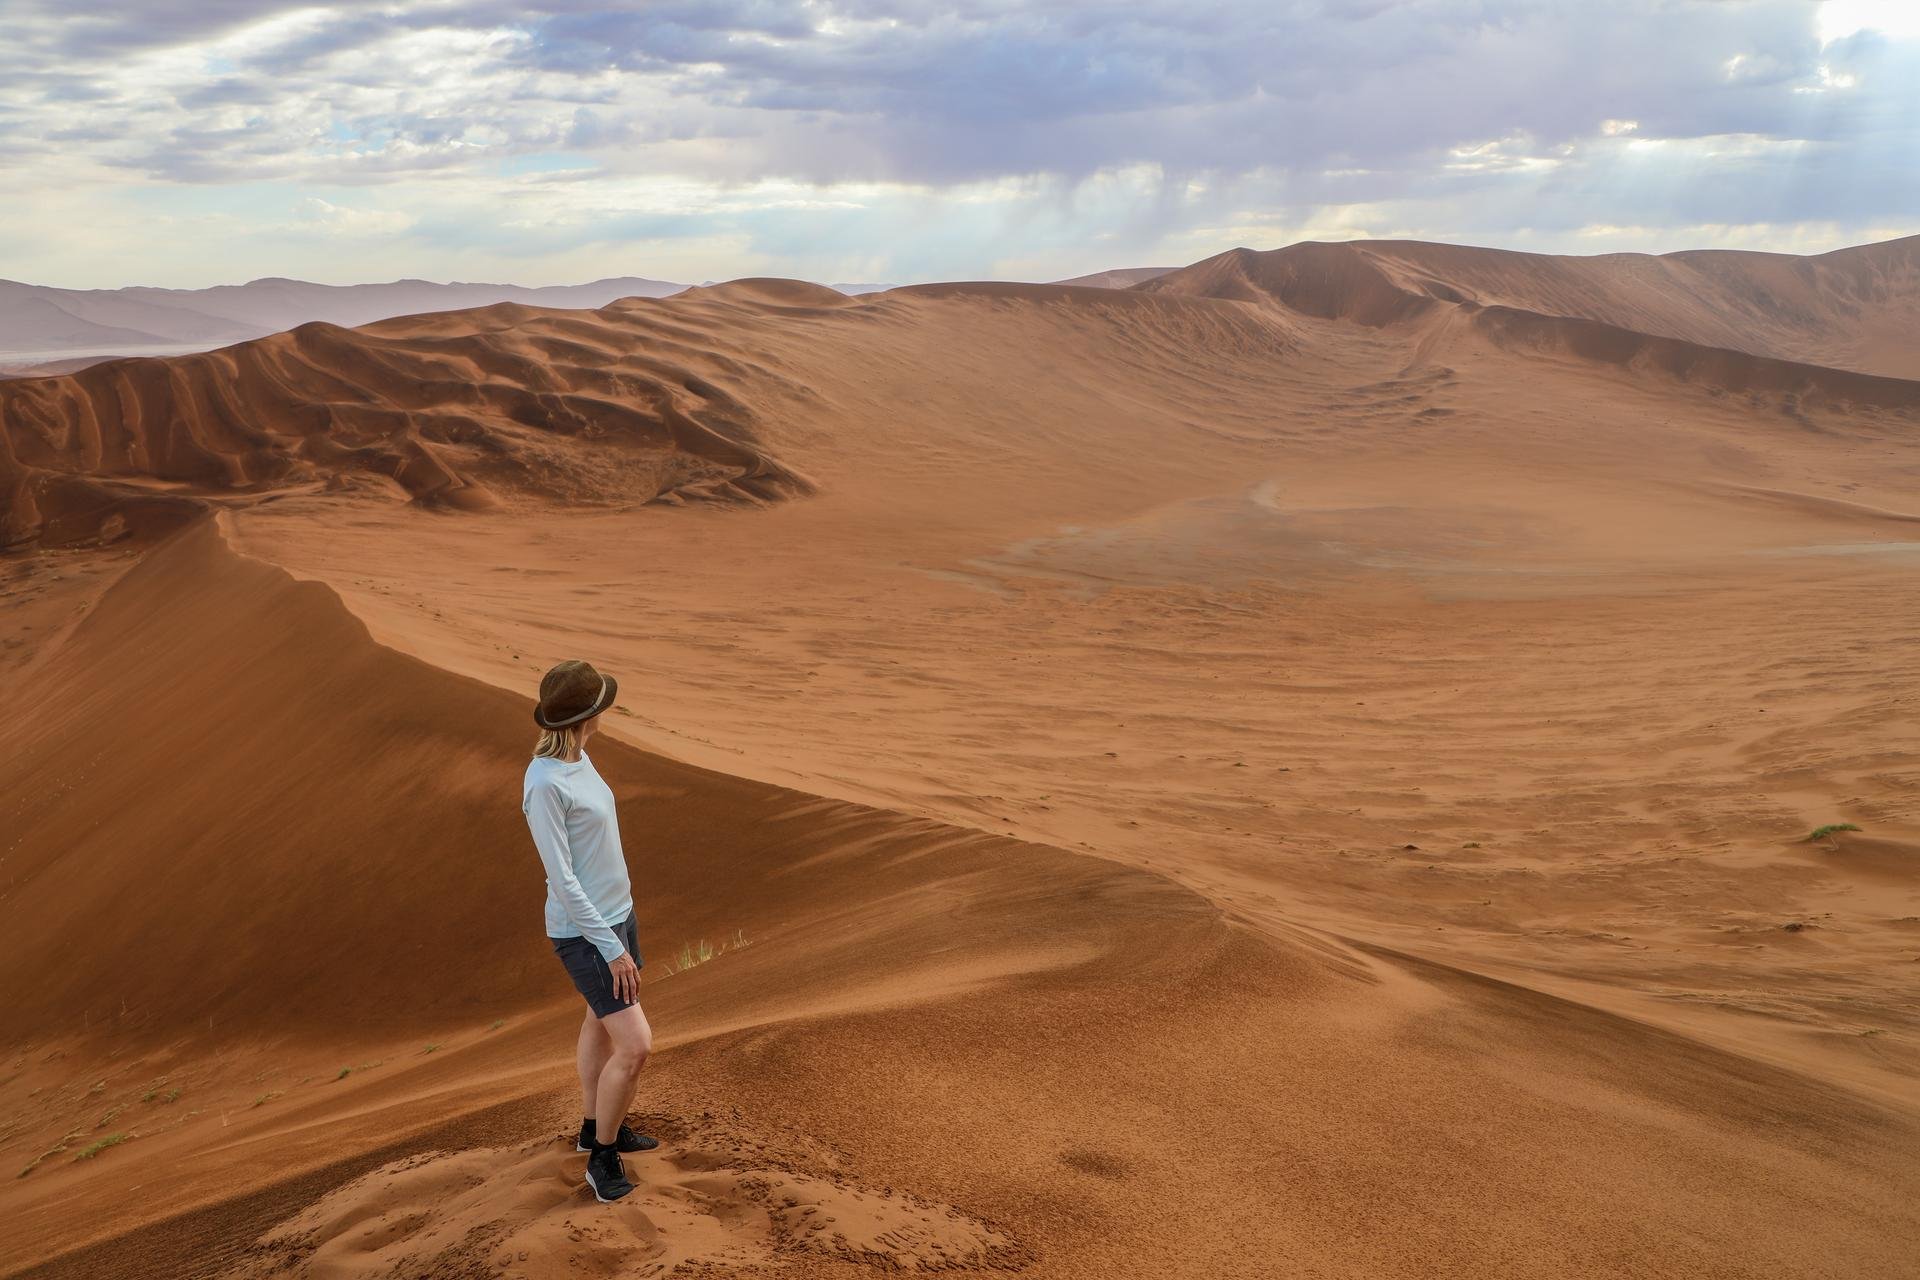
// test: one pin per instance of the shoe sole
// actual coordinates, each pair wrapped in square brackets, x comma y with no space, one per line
[603,1199]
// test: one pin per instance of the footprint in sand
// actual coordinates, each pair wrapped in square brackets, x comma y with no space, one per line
[525,1210]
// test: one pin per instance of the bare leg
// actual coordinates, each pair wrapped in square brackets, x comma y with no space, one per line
[595,1047]
[632,1038]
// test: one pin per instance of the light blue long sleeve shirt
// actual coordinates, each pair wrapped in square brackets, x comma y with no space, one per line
[570,811]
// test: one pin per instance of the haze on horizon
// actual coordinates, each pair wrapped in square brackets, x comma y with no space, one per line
[192,144]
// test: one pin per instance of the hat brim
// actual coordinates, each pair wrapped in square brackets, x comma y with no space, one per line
[609,690]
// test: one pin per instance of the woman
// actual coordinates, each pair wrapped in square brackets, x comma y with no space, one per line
[590,913]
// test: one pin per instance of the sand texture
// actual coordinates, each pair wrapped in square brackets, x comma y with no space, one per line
[1302,767]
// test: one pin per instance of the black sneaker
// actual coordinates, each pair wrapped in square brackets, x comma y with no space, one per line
[627,1140]
[605,1176]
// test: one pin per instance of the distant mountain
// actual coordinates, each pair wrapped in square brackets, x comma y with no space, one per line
[1118,278]
[32,321]
[42,323]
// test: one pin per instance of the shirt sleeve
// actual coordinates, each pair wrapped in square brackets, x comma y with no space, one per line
[547,819]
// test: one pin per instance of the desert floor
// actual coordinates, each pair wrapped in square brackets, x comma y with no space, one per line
[1187,790]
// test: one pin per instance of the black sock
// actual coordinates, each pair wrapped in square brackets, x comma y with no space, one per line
[599,1146]
[587,1124]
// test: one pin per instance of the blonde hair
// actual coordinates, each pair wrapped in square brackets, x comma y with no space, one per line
[559,744]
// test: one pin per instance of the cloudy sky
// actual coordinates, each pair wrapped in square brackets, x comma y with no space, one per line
[194,142]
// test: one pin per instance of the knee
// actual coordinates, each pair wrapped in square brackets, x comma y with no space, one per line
[632,1054]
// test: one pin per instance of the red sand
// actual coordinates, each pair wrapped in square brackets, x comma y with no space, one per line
[1300,768]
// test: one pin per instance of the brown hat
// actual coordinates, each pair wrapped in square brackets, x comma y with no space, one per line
[571,692]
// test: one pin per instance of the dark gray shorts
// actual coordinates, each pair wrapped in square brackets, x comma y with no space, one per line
[591,975]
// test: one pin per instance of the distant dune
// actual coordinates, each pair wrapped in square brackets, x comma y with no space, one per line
[1119,278]
[1856,308]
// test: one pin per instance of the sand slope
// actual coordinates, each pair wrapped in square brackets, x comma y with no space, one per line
[1076,1069]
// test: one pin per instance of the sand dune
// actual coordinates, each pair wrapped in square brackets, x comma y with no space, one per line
[1277,771]
[1856,308]
[506,399]
[1786,383]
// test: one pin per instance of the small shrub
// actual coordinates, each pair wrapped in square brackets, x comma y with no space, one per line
[692,953]
[1832,828]
[111,1140]
[54,1150]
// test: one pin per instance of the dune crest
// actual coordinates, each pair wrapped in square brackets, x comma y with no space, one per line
[1596,310]
[510,401]
[1856,309]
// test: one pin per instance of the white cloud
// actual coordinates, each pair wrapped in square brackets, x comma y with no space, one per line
[894,139]
[1838,19]
[341,221]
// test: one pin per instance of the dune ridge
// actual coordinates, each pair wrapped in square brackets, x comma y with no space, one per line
[1856,308]
[513,400]
[292,649]
[1790,383]
[1607,313]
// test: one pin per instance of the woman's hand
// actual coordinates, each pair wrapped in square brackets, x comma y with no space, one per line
[626,978]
